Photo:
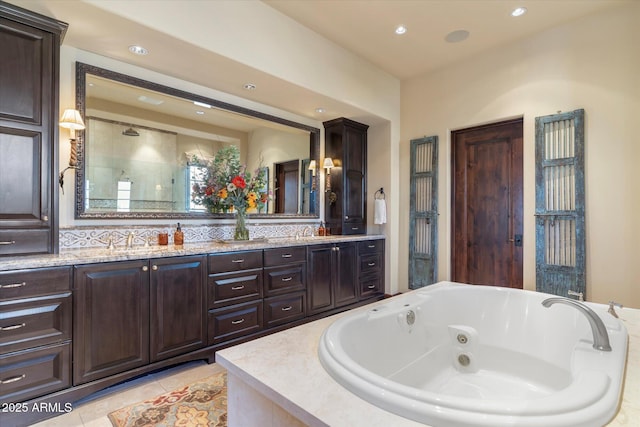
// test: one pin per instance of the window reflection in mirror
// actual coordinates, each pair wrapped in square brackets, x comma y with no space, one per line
[144,143]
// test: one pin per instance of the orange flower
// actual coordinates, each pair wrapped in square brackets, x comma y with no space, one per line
[222,193]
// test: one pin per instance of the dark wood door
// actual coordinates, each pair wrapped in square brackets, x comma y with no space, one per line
[346,273]
[287,187]
[319,278]
[111,319]
[178,313]
[487,207]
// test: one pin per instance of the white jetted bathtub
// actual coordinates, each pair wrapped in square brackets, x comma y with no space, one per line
[462,355]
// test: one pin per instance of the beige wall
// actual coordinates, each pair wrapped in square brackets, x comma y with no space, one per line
[593,64]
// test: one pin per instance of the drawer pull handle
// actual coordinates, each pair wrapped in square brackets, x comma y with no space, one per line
[13,379]
[237,288]
[237,322]
[287,308]
[371,287]
[371,264]
[13,285]
[371,246]
[236,261]
[354,228]
[8,242]
[287,279]
[12,327]
[286,255]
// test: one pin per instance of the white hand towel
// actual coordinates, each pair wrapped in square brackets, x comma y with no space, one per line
[380,212]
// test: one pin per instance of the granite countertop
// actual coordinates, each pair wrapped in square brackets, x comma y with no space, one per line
[93,255]
[286,369]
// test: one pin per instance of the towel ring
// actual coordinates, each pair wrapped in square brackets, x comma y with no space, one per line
[379,194]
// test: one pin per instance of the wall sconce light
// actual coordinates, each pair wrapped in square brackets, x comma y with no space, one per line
[312,168]
[71,120]
[327,165]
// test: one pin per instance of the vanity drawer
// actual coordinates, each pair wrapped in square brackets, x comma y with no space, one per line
[370,246]
[369,263]
[34,322]
[279,280]
[284,309]
[288,255]
[16,242]
[235,321]
[370,285]
[234,261]
[32,373]
[226,289]
[29,283]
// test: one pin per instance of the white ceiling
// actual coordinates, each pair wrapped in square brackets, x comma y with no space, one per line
[364,27]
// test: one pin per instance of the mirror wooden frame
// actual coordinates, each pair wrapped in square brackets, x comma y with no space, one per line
[81,72]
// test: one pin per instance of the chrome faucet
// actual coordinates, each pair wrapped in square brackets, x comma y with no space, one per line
[599,331]
[130,238]
[304,232]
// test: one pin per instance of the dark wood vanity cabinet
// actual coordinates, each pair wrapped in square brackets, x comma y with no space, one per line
[332,280]
[29,74]
[35,332]
[131,313]
[346,201]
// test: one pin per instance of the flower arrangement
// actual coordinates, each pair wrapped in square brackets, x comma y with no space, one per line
[226,186]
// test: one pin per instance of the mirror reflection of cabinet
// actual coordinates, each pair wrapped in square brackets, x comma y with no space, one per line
[346,201]
[29,71]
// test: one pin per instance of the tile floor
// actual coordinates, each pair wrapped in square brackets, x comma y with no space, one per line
[92,411]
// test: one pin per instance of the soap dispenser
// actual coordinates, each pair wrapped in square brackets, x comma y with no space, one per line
[178,236]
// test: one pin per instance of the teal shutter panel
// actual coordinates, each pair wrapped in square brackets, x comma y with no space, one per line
[560,204]
[423,216]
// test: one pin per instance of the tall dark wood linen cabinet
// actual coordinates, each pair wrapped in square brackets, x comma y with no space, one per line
[29,76]
[346,198]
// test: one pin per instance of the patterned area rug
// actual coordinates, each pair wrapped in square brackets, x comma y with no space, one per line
[201,404]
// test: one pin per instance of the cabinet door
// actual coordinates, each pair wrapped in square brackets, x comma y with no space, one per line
[346,278]
[355,153]
[178,314]
[28,133]
[111,319]
[319,279]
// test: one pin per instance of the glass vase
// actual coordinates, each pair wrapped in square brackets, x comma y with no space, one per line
[241,232]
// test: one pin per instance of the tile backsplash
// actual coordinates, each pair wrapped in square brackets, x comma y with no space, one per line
[85,237]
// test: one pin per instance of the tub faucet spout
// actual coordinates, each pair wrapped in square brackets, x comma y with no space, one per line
[599,331]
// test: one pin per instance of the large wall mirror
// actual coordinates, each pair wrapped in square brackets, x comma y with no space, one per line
[145,144]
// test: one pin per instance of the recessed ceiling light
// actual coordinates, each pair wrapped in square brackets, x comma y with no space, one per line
[401,29]
[200,113]
[148,100]
[319,110]
[519,11]
[249,86]
[138,50]
[457,36]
